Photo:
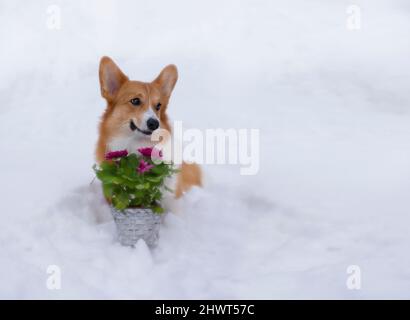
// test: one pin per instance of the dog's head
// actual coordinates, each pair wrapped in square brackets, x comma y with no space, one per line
[134,107]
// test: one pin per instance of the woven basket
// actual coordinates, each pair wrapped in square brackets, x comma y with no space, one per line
[134,224]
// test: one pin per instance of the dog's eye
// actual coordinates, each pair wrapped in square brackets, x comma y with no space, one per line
[158,106]
[135,101]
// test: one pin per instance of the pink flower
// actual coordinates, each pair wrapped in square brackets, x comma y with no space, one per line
[147,152]
[144,166]
[116,154]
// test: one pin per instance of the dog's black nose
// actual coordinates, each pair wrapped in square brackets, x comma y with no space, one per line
[152,124]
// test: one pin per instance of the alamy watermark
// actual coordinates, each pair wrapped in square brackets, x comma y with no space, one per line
[53,281]
[210,146]
[354,17]
[354,279]
[53,20]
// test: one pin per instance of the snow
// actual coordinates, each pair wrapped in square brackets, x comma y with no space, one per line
[333,110]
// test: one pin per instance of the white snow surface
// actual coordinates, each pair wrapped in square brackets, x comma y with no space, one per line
[333,109]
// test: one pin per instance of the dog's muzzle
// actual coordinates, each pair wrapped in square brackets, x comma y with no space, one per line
[134,127]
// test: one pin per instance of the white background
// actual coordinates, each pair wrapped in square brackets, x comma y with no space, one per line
[333,110]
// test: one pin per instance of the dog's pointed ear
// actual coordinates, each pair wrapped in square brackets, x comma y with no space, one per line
[111,78]
[167,79]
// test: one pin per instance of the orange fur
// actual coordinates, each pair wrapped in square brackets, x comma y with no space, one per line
[118,90]
[189,175]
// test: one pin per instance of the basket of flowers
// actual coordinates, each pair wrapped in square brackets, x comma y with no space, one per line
[133,184]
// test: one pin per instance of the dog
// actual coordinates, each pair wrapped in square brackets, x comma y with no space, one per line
[134,111]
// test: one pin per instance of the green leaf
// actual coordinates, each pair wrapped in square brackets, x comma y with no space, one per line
[116,180]
[139,187]
[158,169]
[158,209]
[104,176]
[108,166]
[155,179]
[121,200]
[108,190]
[133,161]
[123,162]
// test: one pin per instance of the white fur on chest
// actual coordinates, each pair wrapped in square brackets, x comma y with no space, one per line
[129,143]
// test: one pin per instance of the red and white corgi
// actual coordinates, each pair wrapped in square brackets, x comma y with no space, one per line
[134,111]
